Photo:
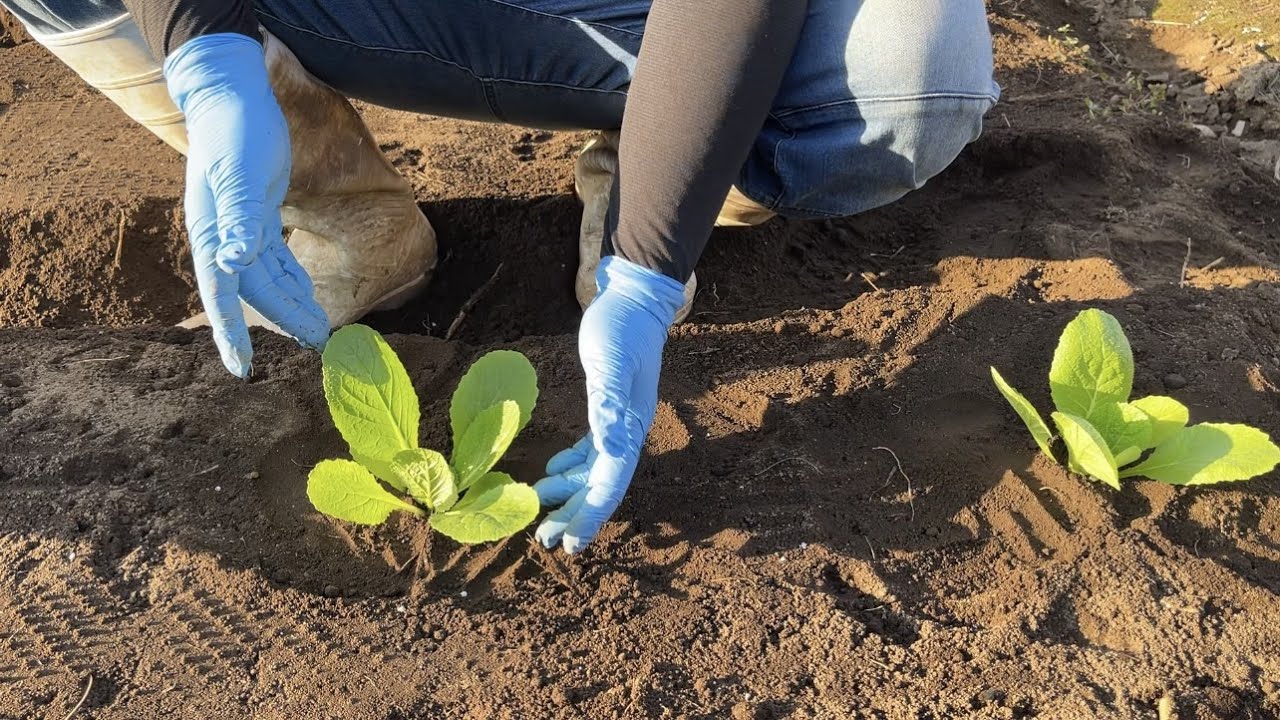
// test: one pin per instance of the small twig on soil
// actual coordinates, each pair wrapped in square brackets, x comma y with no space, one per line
[708,351]
[1168,22]
[1213,264]
[89,360]
[892,256]
[1185,262]
[786,460]
[470,304]
[911,493]
[206,471]
[870,281]
[869,547]
[119,240]
[88,686]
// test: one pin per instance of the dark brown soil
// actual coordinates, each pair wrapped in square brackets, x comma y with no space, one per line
[155,539]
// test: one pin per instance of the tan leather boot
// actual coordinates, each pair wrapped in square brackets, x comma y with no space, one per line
[356,227]
[593,179]
[354,223]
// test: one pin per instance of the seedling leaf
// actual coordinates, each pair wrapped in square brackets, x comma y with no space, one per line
[495,508]
[427,477]
[345,490]
[370,397]
[1126,429]
[484,441]
[1168,416]
[1092,365]
[1088,451]
[497,376]
[1210,453]
[1030,416]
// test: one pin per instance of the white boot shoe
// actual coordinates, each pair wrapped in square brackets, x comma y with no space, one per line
[593,180]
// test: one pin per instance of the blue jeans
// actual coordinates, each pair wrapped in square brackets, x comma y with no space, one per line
[880,96]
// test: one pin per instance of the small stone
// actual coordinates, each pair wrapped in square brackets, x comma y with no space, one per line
[1160,78]
[439,635]
[991,696]
[1230,353]
[253,475]
[1205,131]
[282,576]
[1238,130]
[332,591]
[1174,381]
[932,531]
[462,594]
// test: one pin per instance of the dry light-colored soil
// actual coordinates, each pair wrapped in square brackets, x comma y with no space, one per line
[157,548]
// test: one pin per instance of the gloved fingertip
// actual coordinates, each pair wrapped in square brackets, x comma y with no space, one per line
[574,545]
[232,254]
[237,364]
[548,533]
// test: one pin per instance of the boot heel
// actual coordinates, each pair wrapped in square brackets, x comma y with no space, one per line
[396,299]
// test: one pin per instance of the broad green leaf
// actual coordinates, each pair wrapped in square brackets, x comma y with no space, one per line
[347,491]
[1125,428]
[382,468]
[495,377]
[1092,365]
[1030,416]
[484,441]
[1168,416]
[1087,449]
[427,477]
[370,397]
[1210,453]
[495,508]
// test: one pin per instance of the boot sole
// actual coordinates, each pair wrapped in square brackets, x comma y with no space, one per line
[391,301]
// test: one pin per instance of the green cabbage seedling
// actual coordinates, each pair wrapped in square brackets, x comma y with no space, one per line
[1108,437]
[376,409]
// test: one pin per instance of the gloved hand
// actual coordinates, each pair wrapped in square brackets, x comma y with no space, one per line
[620,343]
[237,176]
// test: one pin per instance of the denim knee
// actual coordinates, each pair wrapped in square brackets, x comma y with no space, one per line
[849,157]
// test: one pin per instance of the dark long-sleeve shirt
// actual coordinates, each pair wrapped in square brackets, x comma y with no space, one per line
[705,78]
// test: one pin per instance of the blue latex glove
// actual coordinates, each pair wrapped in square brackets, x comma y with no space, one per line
[620,343]
[237,176]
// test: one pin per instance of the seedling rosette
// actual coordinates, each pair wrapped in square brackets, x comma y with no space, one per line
[1110,438]
[376,410]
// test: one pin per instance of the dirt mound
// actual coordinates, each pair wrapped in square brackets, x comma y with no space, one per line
[769,560]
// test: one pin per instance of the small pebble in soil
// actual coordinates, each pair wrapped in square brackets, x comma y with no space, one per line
[1230,353]
[1174,381]
[439,635]
[991,695]
[332,591]
[462,594]
[254,475]
[217,488]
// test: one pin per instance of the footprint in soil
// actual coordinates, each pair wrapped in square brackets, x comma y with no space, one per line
[526,148]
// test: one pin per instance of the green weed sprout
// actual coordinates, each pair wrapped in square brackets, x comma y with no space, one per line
[1109,438]
[375,408]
